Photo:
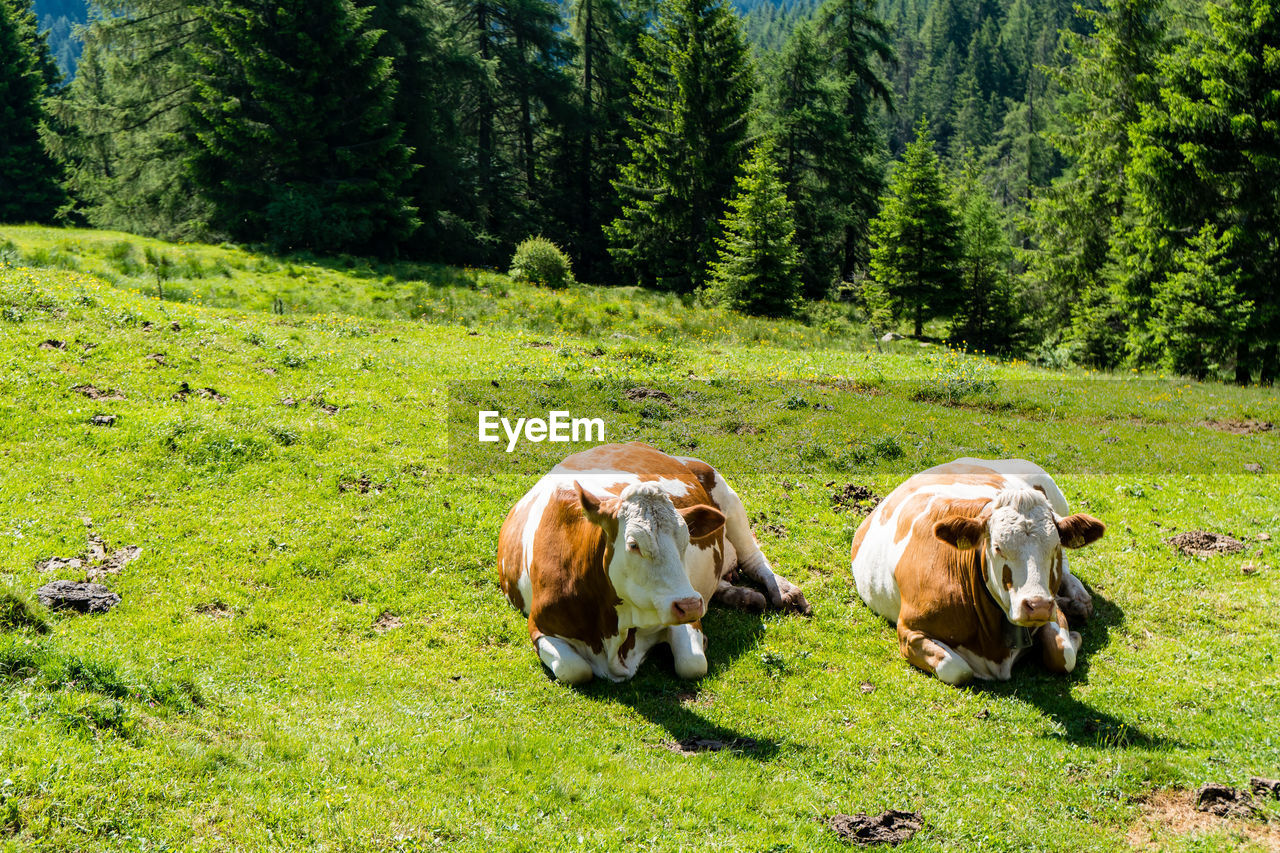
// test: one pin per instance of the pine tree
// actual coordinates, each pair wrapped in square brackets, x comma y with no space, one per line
[858,43]
[513,112]
[915,239]
[126,113]
[30,188]
[605,33]
[431,71]
[756,269]
[1206,157]
[292,152]
[988,314]
[1073,264]
[689,116]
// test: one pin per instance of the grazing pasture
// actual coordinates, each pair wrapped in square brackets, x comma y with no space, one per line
[312,652]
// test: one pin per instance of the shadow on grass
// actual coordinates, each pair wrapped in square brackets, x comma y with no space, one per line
[662,698]
[1079,722]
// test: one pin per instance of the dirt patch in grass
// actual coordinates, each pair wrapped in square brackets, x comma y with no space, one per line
[1225,801]
[853,497]
[361,485]
[102,420]
[95,393]
[1173,812]
[53,344]
[184,391]
[695,745]
[642,393]
[1202,543]
[892,827]
[1240,426]
[96,561]
[387,621]
[215,610]
[77,595]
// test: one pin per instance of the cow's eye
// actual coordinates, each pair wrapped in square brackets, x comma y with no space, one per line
[633,546]
[999,551]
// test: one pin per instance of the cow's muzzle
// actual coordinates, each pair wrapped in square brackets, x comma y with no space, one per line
[686,610]
[1034,612]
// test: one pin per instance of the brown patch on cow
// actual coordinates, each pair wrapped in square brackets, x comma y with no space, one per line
[1240,426]
[1007,578]
[944,593]
[892,827]
[1172,813]
[1202,543]
[910,511]
[511,555]
[703,473]
[858,536]
[627,645]
[943,475]
[1076,531]
[572,594]
[95,393]
[1053,653]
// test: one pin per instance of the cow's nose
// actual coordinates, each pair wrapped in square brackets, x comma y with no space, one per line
[1037,609]
[687,609]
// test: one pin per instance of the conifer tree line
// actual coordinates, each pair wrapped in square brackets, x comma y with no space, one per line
[1092,184]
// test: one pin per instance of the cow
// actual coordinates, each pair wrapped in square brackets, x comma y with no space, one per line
[620,548]
[967,558]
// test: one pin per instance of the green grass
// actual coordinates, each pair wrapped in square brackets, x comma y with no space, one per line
[239,698]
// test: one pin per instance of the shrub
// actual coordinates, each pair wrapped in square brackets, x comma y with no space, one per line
[539,261]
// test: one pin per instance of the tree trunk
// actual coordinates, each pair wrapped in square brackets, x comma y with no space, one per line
[484,144]
[1242,363]
[919,318]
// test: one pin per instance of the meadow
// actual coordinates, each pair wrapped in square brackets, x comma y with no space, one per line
[312,652]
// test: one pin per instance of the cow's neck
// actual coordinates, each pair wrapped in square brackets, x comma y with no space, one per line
[994,626]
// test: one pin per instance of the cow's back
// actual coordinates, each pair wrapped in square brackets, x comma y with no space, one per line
[898,535]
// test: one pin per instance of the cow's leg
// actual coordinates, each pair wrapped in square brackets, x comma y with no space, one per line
[934,656]
[1059,645]
[739,597]
[782,593]
[689,649]
[565,663]
[1072,597]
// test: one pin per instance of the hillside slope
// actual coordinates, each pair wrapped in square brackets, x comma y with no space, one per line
[312,652]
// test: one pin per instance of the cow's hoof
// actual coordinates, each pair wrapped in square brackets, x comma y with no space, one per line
[793,601]
[741,598]
[1076,608]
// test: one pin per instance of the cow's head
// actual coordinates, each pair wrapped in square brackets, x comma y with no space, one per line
[648,538]
[1021,539]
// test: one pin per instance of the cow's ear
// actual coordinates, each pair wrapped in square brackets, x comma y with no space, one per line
[597,511]
[702,520]
[1079,530]
[960,531]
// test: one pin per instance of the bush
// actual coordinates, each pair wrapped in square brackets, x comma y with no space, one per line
[539,261]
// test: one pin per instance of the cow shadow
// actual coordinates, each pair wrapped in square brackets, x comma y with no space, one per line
[666,700]
[1077,722]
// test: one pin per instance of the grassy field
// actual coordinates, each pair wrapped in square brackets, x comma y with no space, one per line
[312,652]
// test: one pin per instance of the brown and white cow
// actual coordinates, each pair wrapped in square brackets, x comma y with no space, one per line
[967,559]
[620,548]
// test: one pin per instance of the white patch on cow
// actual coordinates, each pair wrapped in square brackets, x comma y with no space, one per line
[990,670]
[525,585]
[564,661]
[953,669]
[688,649]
